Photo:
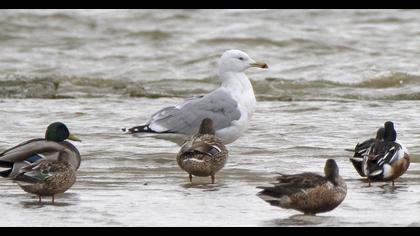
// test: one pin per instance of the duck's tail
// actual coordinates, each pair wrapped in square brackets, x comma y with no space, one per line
[8,165]
[272,198]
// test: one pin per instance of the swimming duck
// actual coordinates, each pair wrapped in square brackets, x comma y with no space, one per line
[44,167]
[307,192]
[361,150]
[386,160]
[203,154]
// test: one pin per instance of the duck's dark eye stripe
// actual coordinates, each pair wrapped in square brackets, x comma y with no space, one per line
[241,58]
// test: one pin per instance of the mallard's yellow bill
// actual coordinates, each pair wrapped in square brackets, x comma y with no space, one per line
[74,138]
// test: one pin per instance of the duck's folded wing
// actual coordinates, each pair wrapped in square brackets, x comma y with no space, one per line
[23,178]
[291,184]
[202,147]
[362,148]
[393,151]
[19,146]
[33,173]
[27,149]
[381,153]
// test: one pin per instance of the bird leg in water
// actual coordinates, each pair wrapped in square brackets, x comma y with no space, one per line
[52,200]
[39,199]
[212,179]
[369,183]
[190,176]
[393,183]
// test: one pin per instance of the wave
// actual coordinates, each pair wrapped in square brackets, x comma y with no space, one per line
[394,86]
[299,43]
[80,87]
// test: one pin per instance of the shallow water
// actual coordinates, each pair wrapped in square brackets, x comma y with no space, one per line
[334,77]
[131,181]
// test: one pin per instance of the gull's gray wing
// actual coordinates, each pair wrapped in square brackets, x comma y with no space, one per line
[186,118]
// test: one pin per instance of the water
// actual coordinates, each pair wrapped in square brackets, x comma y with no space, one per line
[334,77]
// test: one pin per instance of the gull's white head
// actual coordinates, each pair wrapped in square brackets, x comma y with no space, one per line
[237,61]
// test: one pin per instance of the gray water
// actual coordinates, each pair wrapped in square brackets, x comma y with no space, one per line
[334,77]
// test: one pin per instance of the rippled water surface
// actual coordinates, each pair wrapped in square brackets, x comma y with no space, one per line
[334,77]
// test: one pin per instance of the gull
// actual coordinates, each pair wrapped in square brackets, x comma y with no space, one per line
[230,106]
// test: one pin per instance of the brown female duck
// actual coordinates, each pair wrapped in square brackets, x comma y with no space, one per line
[309,193]
[44,167]
[203,154]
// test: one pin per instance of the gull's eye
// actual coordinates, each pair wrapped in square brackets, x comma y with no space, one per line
[241,58]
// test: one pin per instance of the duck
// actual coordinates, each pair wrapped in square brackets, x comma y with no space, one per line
[387,159]
[361,150]
[307,192]
[203,154]
[43,166]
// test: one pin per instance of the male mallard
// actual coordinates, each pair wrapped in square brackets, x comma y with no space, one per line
[44,167]
[361,150]
[387,159]
[307,192]
[203,154]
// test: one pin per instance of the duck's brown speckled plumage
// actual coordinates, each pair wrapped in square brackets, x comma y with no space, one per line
[63,176]
[198,163]
[202,155]
[306,192]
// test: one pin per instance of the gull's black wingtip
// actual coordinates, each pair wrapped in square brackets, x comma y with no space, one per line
[138,129]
